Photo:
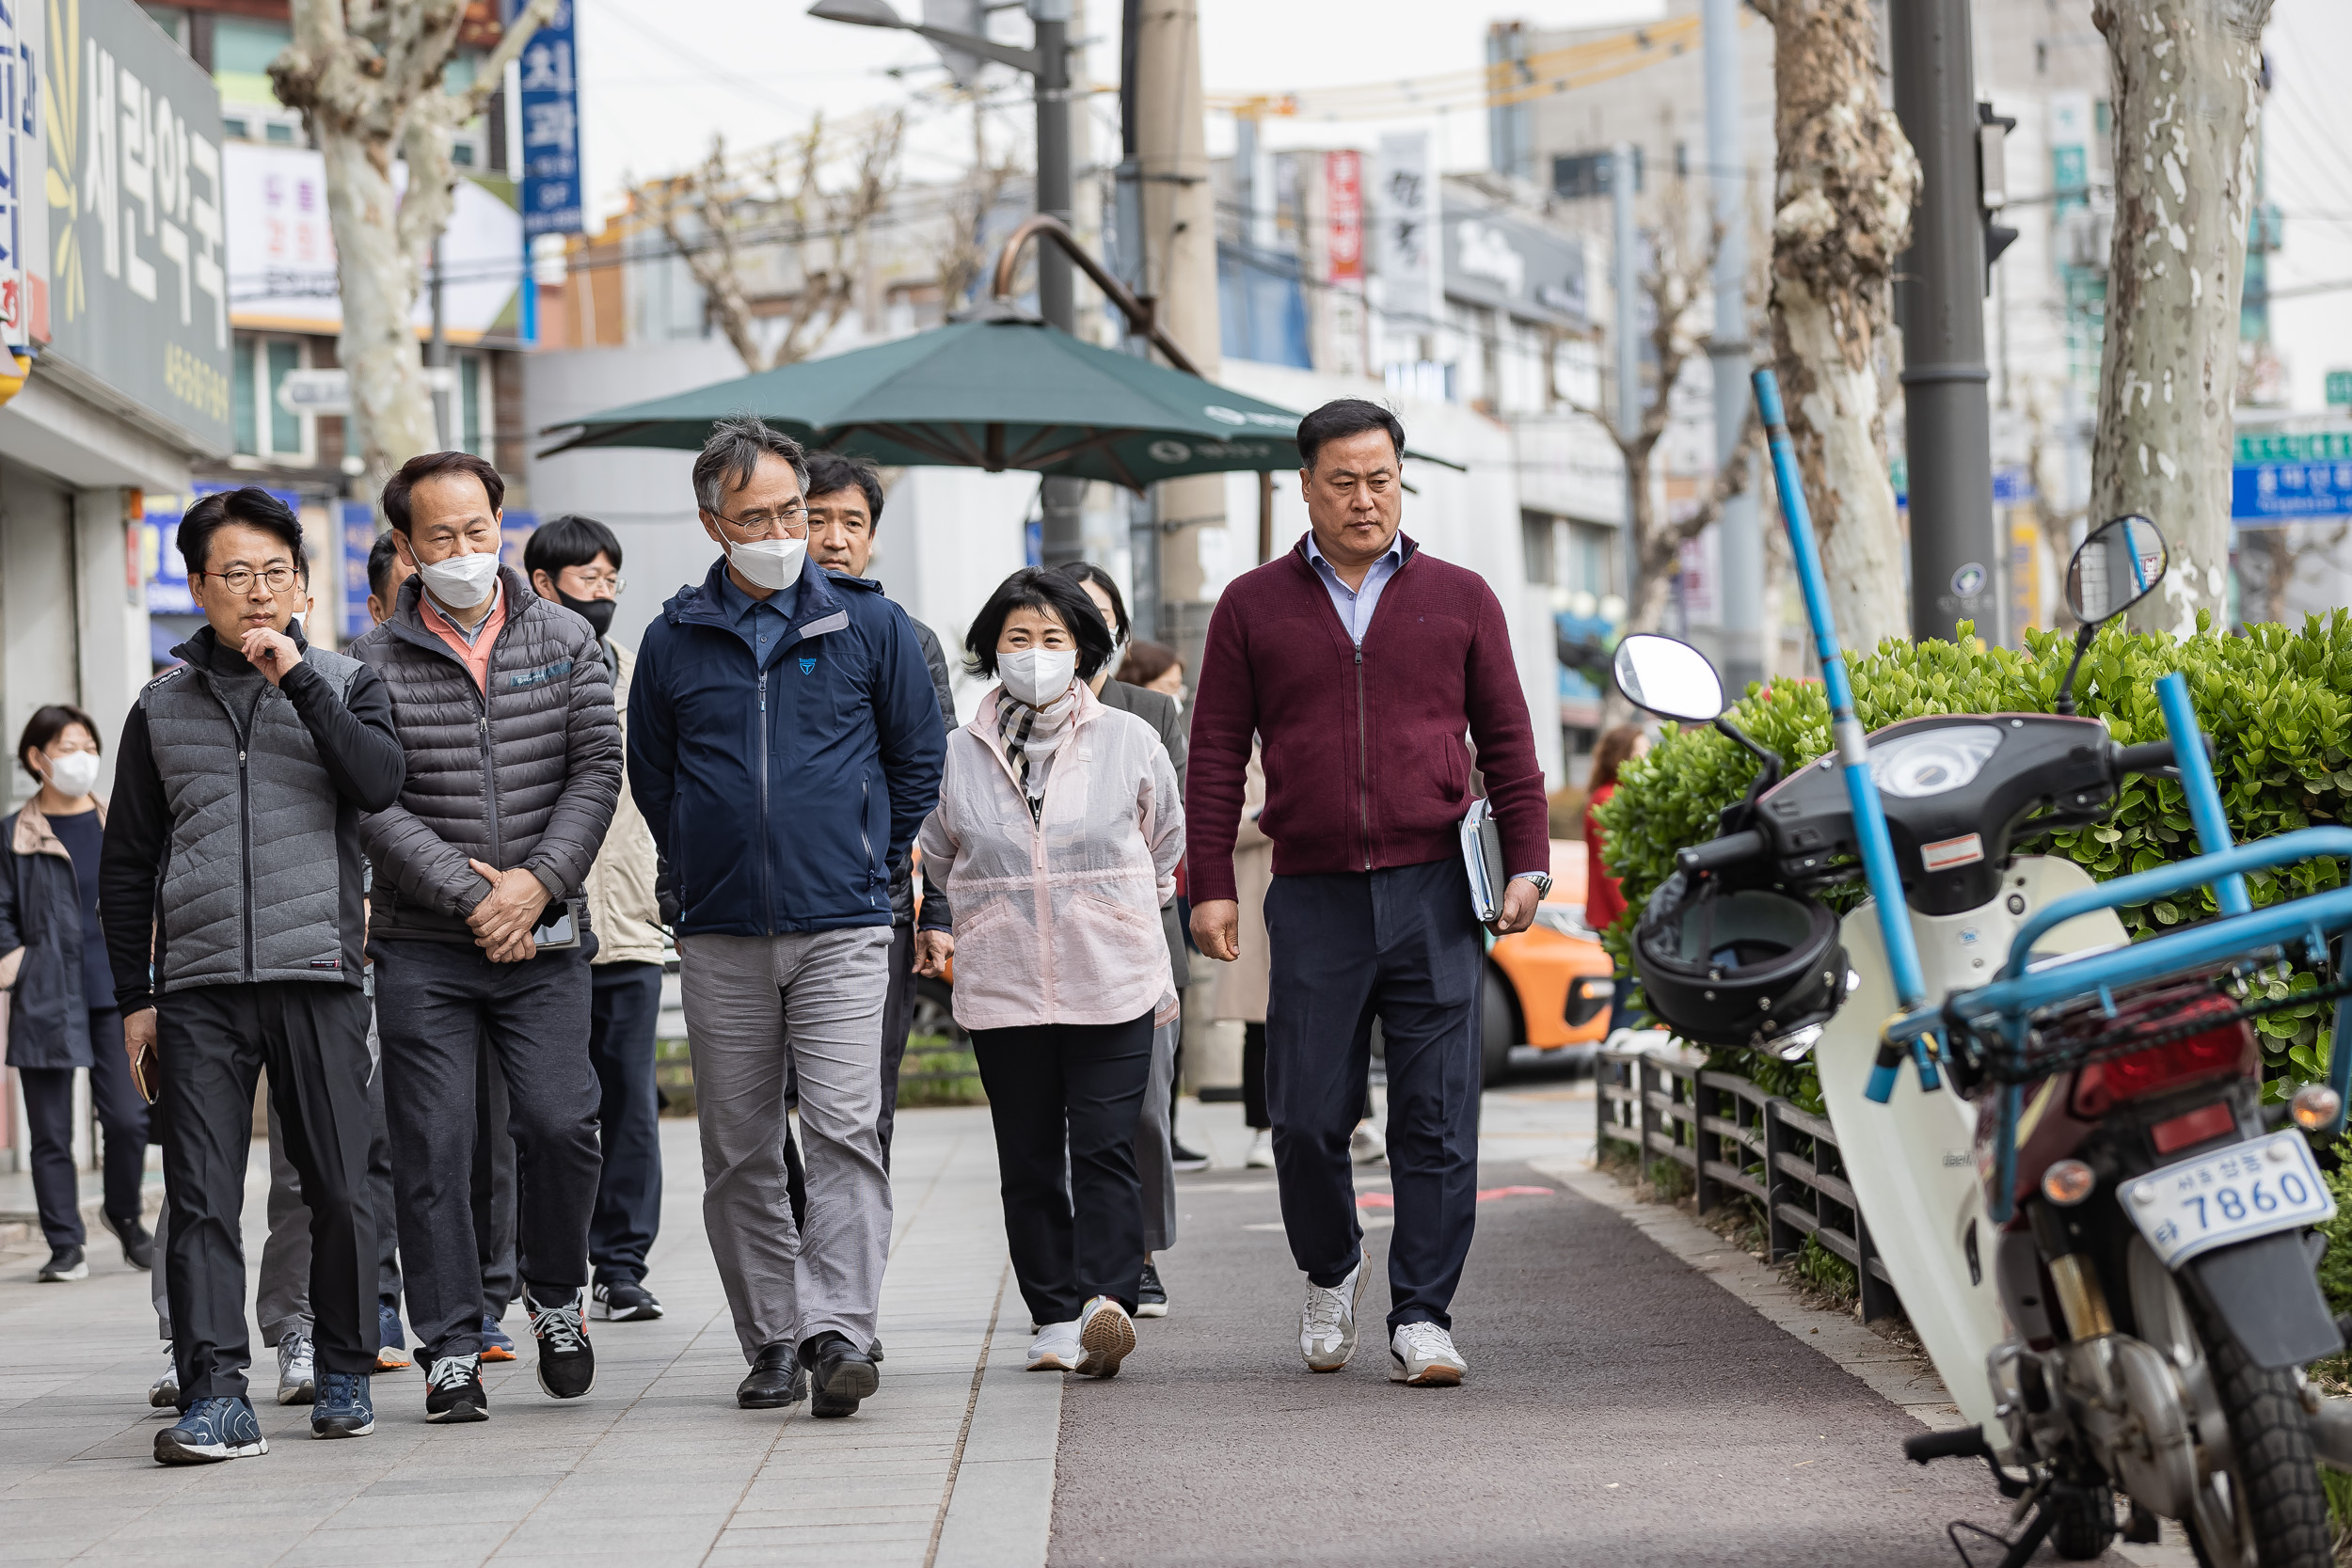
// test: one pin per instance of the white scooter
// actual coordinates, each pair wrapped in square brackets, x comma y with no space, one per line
[2103,1242]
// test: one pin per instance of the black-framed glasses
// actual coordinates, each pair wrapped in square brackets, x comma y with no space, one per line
[239,580]
[756,526]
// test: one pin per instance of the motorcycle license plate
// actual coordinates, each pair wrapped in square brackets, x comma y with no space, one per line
[2231,1194]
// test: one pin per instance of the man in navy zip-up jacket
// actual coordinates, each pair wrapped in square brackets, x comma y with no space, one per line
[784,746]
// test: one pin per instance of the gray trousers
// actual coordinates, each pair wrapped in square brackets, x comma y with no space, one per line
[1155,1145]
[760,1012]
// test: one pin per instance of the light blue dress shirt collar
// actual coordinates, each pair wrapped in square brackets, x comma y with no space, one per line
[1356,605]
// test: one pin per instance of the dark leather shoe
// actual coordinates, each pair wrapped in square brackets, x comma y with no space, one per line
[776,1381]
[840,1375]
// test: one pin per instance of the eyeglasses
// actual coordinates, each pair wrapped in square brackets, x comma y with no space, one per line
[792,519]
[237,579]
[590,583]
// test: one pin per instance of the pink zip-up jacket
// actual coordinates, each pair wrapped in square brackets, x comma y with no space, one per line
[1058,921]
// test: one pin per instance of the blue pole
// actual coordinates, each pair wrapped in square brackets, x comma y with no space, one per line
[1853,750]
[2204,796]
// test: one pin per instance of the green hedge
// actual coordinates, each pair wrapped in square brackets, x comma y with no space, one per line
[2277,704]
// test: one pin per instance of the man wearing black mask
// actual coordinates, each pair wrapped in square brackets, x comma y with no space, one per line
[577,562]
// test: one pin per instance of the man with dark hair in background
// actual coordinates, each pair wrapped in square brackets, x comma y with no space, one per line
[480,934]
[231,889]
[1360,661]
[577,562]
[845,508]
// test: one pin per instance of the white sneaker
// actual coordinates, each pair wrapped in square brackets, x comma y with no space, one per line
[1057,1348]
[1261,1151]
[1422,1354]
[1368,1146]
[297,1369]
[1108,1336]
[1327,1325]
[163,1394]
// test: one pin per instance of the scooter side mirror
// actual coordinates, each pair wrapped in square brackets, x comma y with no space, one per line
[2117,566]
[1668,677]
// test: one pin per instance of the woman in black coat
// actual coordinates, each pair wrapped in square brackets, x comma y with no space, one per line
[62,992]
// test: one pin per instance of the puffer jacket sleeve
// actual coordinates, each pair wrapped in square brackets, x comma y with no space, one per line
[422,867]
[1161,811]
[592,778]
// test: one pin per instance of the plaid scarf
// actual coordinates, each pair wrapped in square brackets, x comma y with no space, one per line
[1031,736]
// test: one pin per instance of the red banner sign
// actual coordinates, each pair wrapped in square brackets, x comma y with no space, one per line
[1343,185]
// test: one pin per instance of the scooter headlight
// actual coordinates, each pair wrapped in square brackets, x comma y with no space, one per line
[1932,762]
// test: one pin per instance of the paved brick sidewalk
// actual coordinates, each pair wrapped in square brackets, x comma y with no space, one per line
[655,1466]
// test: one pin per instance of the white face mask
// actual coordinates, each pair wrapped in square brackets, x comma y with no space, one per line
[770,564]
[74,774]
[1037,675]
[462,581]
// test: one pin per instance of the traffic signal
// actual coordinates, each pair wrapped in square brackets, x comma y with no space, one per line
[1992,183]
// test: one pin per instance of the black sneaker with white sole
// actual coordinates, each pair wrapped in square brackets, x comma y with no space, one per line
[1151,1295]
[453,1391]
[65,1264]
[567,1366]
[623,1301]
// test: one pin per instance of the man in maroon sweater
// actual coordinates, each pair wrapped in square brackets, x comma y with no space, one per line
[1360,664]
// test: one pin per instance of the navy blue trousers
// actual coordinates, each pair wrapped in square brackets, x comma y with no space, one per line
[625,1006]
[1399,946]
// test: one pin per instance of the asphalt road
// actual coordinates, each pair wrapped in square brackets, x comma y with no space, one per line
[1621,1410]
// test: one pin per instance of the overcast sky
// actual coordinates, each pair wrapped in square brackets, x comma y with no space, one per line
[660,76]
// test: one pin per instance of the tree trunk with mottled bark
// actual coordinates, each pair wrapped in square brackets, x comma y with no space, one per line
[367,75]
[2186,94]
[1843,185]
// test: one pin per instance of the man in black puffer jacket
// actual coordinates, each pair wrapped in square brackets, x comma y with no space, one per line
[505,708]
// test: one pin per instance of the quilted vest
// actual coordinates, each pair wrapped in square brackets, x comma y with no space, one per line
[251,880]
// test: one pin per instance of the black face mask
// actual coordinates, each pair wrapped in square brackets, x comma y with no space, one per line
[596,612]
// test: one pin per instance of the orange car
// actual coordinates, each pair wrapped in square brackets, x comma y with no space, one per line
[1550,986]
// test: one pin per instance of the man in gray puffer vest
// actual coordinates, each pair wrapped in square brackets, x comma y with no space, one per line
[481,940]
[230,892]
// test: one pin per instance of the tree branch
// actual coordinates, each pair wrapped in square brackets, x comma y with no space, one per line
[492,72]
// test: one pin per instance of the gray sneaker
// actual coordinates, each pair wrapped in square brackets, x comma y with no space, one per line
[1326,1323]
[163,1393]
[297,1369]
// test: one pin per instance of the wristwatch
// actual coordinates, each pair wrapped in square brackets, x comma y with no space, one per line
[1542,880]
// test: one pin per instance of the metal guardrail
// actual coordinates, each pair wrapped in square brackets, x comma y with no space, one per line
[1729,1134]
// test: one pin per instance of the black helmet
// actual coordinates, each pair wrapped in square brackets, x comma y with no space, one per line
[1737,968]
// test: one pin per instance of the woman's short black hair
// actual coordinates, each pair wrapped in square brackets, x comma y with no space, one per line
[49,722]
[1036,588]
[252,506]
[1083,572]
[570,540]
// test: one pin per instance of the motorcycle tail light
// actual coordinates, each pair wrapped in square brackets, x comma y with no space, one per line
[2228,1049]
[2206,1121]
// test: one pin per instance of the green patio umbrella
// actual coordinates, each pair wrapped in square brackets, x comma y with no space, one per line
[1002,393]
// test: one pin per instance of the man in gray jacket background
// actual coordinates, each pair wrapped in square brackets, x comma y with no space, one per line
[504,709]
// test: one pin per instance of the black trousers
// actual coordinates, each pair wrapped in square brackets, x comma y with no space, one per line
[380,1203]
[1074,1227]
[897,1017]
[491,1191]
[441,1008]
[1253,1111]
[1401,945]
[213,1041]
[624,1006]
[49,1117]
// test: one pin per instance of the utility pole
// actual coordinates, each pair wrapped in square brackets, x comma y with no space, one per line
[1178,235]
[1625,282]
[1128,262]
[1740,544]
[1955,557]
[437,359]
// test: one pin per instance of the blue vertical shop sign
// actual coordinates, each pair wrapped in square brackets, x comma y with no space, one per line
[550,111]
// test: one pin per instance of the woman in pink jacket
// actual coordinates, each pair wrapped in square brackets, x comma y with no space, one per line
[1057,839]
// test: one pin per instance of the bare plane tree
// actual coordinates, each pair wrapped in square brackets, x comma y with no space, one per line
[814,198]
[963,255]
[367,76]
[2188,92]
[1844,182]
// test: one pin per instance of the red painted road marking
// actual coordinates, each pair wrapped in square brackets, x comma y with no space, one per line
[1383,1200]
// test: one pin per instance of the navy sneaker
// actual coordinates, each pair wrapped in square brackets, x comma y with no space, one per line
[213,1430]
[624,1301]
[390,1343]
[344,1407]
[567,1366]
[496,1346]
